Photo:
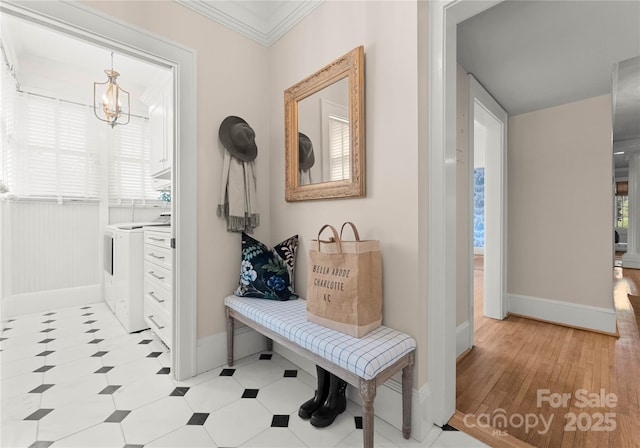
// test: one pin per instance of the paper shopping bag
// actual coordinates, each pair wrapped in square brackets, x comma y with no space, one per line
[344,283]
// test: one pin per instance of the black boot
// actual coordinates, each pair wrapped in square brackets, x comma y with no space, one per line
[334,405]
[310,406]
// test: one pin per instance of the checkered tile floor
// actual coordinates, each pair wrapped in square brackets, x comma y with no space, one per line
[74,378]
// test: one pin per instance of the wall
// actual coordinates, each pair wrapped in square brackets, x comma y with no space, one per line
[462,205]
[389,212]
[559,164]
[228,83]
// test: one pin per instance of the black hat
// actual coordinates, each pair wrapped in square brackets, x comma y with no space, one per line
[306,158]
[239,138]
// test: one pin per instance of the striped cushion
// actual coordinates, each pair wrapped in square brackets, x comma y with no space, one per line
[366,356]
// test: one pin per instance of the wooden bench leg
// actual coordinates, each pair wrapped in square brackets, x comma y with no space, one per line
[230,325]
[367,394]
[407,390]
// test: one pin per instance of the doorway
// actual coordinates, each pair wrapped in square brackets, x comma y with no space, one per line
[86,24]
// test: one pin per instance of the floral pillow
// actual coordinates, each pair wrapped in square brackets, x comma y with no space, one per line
[267,273]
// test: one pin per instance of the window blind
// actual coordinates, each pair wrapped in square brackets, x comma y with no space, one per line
[339,160]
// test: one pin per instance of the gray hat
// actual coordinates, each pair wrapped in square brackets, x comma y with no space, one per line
[238,138]
[306,159]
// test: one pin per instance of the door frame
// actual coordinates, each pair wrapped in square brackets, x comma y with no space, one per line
[444,15]
[86,24]
[495,286]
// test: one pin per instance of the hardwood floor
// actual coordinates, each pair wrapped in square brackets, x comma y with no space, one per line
[515,377]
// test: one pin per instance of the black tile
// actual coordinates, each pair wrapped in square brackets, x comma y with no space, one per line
[145,341]
[98,354]
[250,393]
[109,390]
[38,414]
[266,356]
[90,322]
[129,445]
[44,331]
[85,307]
[448,427]
[93,330]
[280,421]
[46,341]
[358,421]
[3,339]
[48,321]
[104,369]
[50,313]
[41,388]
[46,353]
[198,418]
[87,314]
[40,444]
[227,372]
[43,369]
[154,354]
[179,392]
[290,373]
[117,416]
[163,371]
[7,329]
[95,341]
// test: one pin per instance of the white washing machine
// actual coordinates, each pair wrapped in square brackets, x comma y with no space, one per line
[124,284]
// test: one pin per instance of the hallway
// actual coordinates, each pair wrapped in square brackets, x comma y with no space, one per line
[554,386]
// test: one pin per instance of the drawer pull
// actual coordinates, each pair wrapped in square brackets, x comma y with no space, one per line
[156,239]
[160,327]
[159,277]
[151,254]
[153,296]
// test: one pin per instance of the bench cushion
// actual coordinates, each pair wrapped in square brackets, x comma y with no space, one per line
[365,357]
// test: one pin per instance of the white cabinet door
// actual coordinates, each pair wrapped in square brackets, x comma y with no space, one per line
[156,123]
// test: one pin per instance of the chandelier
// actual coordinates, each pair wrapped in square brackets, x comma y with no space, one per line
[109,107]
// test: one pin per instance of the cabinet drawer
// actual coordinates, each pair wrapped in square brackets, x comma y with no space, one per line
[158,255]
[162,239]
[158,320]
[157,274]
[158,294]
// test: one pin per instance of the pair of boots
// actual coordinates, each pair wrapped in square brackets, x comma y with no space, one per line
[328,402]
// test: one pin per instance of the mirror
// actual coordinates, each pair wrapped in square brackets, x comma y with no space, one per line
[324,132]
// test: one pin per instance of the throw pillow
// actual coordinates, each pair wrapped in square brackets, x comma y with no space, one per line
[267,273]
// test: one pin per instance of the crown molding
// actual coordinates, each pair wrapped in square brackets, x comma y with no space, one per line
[264,22]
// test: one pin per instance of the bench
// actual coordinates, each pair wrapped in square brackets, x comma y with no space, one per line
[365,362]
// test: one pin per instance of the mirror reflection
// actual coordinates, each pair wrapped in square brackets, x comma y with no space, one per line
[323,135]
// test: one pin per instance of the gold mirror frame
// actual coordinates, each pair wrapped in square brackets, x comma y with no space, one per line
[350,66]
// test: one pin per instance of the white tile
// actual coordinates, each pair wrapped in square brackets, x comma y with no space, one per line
[72,370]
[145,390]
[17,408]
[131,372]
[28,338]
[18,433]
[198,379]
[456,439]
[214,394]
[25,366]
[155,420]
[20,352]
[125,354]
[322,437]
[259,374]
[192,436]
[354,440]
[75,417]
[285,395]
[102,435]
[69,354]
[68,392]
[19,385]
[238,422]
[275,438]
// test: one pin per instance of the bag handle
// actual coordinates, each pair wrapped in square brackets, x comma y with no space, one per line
[353,227]
[336,238]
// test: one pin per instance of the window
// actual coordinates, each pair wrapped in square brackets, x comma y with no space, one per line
[622,211]
[339,159]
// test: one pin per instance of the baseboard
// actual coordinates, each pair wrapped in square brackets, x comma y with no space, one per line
[388,401]
[37,302]
[631,260]
[602,320]
[211,351]
[462,337]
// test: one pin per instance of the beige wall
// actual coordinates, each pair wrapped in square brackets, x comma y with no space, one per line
[232,80]
[389,212]
[560,211]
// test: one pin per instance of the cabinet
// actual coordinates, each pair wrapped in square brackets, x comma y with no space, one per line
[127,280]
[159,98]
[158,282]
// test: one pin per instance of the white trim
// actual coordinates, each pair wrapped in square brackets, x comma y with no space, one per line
[464,340]
[630,260]
[443,18]
[37,302]
[564,313]
[212,350]
[87,24]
